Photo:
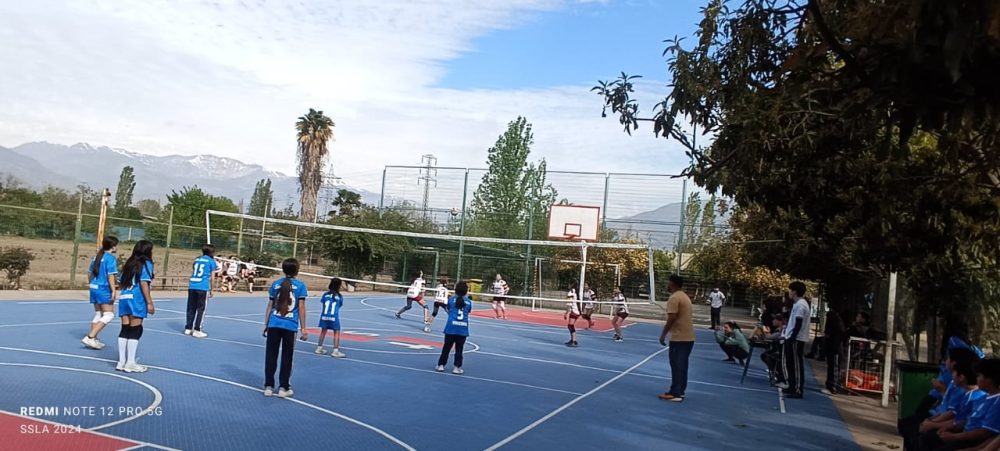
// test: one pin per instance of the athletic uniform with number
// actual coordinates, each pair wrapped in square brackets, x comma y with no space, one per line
[330,316]
[416,291]
[500,289]
[281,331]
[456,331]
[100,288]
[622,310]
[132,301]
[572,307]
[233,271]
[588,304]
[199,285]
[440,300]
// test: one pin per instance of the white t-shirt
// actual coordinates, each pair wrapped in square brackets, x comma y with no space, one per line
[620,300]
[717,299]
[800,312]
[500,287]
[251,268]
[234,268]
[416,288]
[588,299]
[441,295]
[572,306]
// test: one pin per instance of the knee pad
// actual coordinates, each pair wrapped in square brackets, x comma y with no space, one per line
[137,332]
[126,331]
[572,328]
[97,317]
[106,318]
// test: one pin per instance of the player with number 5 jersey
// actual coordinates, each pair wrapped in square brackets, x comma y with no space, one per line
[199,290]
[456,331]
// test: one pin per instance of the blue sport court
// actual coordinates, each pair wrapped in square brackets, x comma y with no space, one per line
[522,388]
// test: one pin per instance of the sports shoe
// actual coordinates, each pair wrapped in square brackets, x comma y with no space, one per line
[440,368]
[319,350]
[458,370]
[572,344]
[268,391]
[337,354]
[285,393]
[666,396]
[120,367]
[198,334]
[398,316]
[782,385]
[187,331]
[677,399]
[100,344]
[134,368]
[619,340]
[427,329]
[90,343]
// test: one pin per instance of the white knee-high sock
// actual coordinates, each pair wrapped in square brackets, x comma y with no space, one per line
[133,346]
[122,350]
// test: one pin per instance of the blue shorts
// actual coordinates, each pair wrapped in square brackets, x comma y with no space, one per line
[329,324]
[135,308]
[100,296]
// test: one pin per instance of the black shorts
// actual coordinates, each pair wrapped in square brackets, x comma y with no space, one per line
[499,299]
[622,315]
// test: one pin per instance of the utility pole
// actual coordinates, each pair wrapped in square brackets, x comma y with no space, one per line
[428,175]
[330,183]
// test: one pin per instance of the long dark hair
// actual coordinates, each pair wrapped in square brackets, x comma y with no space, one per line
[461,289]
[107,244]
[335,285]
[141,254]
[291,269]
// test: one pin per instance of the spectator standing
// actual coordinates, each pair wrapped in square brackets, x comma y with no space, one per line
[716,300]
[680,327]
[794,339]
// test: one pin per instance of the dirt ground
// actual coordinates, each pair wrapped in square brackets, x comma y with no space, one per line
[873,426]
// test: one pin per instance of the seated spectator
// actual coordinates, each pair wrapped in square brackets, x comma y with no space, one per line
[733,342]
[909,427]
[860,327]
[960,401]
[982,425]
[772,357]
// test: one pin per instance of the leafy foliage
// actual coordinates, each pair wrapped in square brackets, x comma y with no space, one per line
[189,206]
[360,255]
[315,130]
[347,202]
[15,262]
[123,195]
[262,199]
[149,208]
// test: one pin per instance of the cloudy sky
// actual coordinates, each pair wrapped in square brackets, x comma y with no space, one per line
[399,78]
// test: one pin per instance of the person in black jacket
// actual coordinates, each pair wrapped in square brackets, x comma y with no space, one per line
[834,336]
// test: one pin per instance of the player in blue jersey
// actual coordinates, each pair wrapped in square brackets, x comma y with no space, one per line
[135,304]
[982,425]
[285,314]
[103,290]
[456,331]
[199,290]
[329,318]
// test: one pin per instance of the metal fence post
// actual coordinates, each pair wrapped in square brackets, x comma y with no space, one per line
[170,234]
[604,206]
[381,197]
[680,235]
[239,239]
[76,241]
[295,243]
[461,226]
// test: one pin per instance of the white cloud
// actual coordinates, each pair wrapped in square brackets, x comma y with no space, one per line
[230,77]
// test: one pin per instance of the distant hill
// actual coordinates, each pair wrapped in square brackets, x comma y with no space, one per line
[40,164]
[659,226]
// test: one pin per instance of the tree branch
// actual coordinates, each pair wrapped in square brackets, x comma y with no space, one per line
[835,44]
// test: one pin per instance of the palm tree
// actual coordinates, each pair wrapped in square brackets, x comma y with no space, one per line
[347,202]
[315,131]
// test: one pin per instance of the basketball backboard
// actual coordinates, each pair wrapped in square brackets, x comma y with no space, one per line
[574,222]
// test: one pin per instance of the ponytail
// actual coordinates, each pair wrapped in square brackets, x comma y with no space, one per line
[142,253]
[107,244]
[291,269]
[461,289]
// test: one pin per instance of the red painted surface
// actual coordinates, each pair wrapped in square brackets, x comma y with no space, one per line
[547,318]
[23,433]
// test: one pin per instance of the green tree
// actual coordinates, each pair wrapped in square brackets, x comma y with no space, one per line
[347,202]
[263,198]
[360,255]
[149,208]
[867,134]
[123,195]
[315,131]
[189,206]
[512,187]
[692,234]
[15,262]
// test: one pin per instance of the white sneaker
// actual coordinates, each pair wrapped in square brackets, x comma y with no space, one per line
[187,331]
[268,391]
[134,368]
[337,354]
[100,344]
[458,370]
[120,367]
[782,385]
[198,334]
[319,350]
[440,368]
[282,393]
[427,329]
[90,343]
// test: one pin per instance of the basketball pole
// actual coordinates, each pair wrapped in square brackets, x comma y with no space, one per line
[102,219]
[583,270]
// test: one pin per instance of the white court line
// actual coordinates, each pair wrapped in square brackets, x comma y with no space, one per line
[63,323]
[229,382]
[82,301]
[157,396]
[140,443]
[386,365]
[572,402]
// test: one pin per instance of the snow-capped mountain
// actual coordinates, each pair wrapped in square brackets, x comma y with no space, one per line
[40,163]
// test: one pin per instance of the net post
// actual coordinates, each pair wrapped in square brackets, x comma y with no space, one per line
[583,269]
[208,227]
[103,218]
[76,241]
[461,226]
[170,234]
[652,276]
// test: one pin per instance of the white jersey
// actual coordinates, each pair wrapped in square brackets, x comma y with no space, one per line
[441,296]
[416,288]
[588,299]
[571,305]
[233,269]
[500,287]
[251,268]
[717,299]
[620,301]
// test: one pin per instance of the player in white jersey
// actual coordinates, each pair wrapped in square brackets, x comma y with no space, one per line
[232,274]
[415,293]
[440,301]
[571,315]
[621,312]
[588,305]
[500,289]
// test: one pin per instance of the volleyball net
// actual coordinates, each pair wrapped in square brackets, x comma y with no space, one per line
[537,273]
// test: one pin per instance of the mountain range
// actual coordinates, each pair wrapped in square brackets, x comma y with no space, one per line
[41,164]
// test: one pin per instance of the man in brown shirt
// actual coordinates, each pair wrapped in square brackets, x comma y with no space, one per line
[680,326]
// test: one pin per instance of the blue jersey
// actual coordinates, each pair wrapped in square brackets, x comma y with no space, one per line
[952,398]
[332,302]
[986,415]
[99,284]
[458,319]
[289,320]
[134,294]
[201,273]
[968,404]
